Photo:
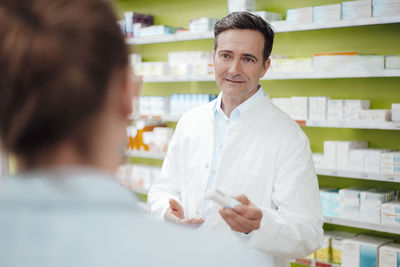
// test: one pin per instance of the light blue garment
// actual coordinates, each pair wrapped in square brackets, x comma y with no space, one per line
[82,217]
[221,128]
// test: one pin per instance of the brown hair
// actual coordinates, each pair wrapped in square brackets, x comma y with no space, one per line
[56,60]
[246,21]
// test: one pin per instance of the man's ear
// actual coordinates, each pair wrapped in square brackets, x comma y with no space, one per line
[265,67]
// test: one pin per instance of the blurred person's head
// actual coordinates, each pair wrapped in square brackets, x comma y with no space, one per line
[65,84]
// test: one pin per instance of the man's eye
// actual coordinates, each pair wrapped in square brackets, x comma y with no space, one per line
[225,55]
[249,59]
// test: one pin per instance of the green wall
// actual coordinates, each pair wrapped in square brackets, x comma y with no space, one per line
[374,39]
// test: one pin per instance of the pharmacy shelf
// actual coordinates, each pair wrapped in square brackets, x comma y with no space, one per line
[155,117]
[166,38]
[279,27]
[363,225]
[331,75]
[359,175]
[387,125]
[288,27]
[281,76]
[144,154]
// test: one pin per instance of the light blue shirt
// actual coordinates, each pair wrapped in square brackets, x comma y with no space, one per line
[221,128]
[81,217]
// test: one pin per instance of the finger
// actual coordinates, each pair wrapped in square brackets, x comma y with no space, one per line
[247,224]
[243,199]
[176,208]
[170,216]
[250,212]
[232,223]
[193,221]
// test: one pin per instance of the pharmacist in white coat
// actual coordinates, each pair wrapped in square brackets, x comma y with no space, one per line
[244,146]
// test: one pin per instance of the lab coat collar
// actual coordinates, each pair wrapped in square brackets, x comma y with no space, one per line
[242,108]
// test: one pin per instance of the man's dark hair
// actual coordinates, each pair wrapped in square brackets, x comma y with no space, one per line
[246,21]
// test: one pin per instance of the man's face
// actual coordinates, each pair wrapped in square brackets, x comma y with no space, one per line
[238,62]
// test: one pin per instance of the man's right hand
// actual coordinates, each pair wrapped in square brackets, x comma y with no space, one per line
[175,214]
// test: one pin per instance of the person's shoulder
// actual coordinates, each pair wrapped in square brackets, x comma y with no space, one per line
[278,118]
[282,124]
[195,247]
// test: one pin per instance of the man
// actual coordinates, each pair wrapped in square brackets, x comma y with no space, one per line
[63,114]
[244,146]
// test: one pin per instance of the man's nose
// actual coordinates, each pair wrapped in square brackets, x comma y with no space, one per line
[235,67]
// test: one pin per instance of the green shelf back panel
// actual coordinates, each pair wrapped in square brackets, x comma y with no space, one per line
[148,161]
[297,265]
[373,39]
[165,89]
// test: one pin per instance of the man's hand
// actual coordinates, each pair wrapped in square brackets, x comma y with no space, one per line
[243,218]
[175,214]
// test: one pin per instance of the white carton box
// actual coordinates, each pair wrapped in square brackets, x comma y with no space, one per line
[372,160]
[300,15]
[389,255]
[356,160]
[337,245]
[385,2]
[241,5]
[343,150]
[370,204]
[392,62]
[390,213]
[348,63]
[330,148]
[391,208]
[393,220]
[362,251]
[299,109]
[335,110]
[396,112]
[152,69]
[291,65]
[318,107]
[200,25]
[327,13]
[390,163]
[329,201]
[352,108]
[389,10]
[379,115]
[268,16]
[349,202]
[356,9]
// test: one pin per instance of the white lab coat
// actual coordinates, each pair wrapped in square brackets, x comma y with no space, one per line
[266,157]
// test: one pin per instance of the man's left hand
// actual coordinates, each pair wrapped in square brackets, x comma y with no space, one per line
[243,218]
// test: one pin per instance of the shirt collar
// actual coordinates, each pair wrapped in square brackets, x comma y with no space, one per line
[242,108]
